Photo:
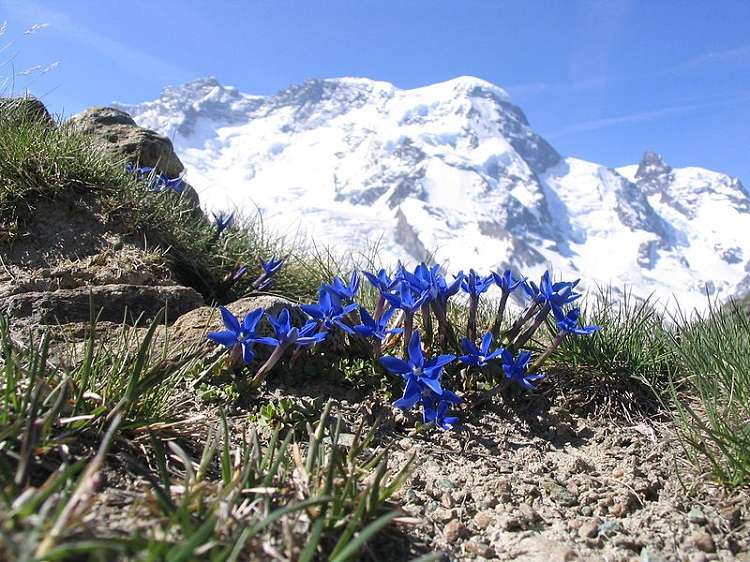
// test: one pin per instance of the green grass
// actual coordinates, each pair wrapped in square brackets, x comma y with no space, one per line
[711,390]
[54,162]
[213,493]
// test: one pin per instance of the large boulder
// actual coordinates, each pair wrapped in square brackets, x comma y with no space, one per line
[116,131]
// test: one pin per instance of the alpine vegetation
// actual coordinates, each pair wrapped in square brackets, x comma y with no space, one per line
[407,303]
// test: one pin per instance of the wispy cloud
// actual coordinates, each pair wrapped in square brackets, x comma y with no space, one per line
[736,55]
[124,56]
[640,117]
[727,56]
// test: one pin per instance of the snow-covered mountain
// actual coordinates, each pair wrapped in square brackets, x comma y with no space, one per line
[455,170]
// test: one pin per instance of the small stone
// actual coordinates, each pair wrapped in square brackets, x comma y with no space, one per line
[703,541]
[447,500]
[405,444]
[610,528]
[482,519]
[590,529]
[698,557]
[445,484]
[453,530]
[619,509]
[479,549]
[733,516]
[650,555]
[587,511]
[697,516]
[442,514]
[618,472]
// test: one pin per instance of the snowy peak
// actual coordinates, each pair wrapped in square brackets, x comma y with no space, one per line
[453,170]
[653,174]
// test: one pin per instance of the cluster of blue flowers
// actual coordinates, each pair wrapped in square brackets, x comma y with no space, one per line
[154,181]
[424,291]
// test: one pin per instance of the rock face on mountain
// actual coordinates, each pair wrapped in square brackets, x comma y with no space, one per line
[454,170]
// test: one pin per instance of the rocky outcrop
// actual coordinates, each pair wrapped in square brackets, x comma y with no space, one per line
[31,106]
[118,134]
[110,303]
[116,131]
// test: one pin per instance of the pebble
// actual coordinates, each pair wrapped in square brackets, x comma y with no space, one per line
[479,549]
[609,528]
[442,514]
[453,530]
[619,509]
[651,555]
[618,472]
[482,519]
[703,541]
[445,484]
[697,516]
[590,529]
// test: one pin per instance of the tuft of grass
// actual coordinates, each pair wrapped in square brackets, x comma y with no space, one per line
[633,342]
[710,390]
[222,493]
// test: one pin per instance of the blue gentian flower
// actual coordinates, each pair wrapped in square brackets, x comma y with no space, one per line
[328,313]
[377,329]
[506,281]
[515,369]
[420,375]
[287,334]
[381,280]
[343,291]
[271,266]
[445,290]
[243,334]
[434,410]
[554,295]
[479,356]
[568,322]
[405,299]
[475,284]
[223,221]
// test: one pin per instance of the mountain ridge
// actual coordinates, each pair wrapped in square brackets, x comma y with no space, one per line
[454,169]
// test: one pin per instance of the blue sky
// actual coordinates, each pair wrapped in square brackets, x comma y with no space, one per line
[601,80]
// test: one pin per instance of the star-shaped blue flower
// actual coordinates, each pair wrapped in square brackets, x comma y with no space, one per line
[343,291]
[475,284]
[515,369]
[371,328]
[242,334]
[328,313]
[568,322]
[421,376]
[479,356]
[405,299]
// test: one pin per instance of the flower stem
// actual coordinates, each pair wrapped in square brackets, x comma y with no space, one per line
[553,346]
[471,326]
[427,323]
[500,313]
[515,329]
[408,329]
[379,309]
[260,376]
[526,336]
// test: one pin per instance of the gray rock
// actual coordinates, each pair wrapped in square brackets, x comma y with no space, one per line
[29,106]
[697,516]
[119,134]
[114,303]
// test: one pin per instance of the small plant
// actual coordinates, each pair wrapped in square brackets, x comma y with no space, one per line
[405,298]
